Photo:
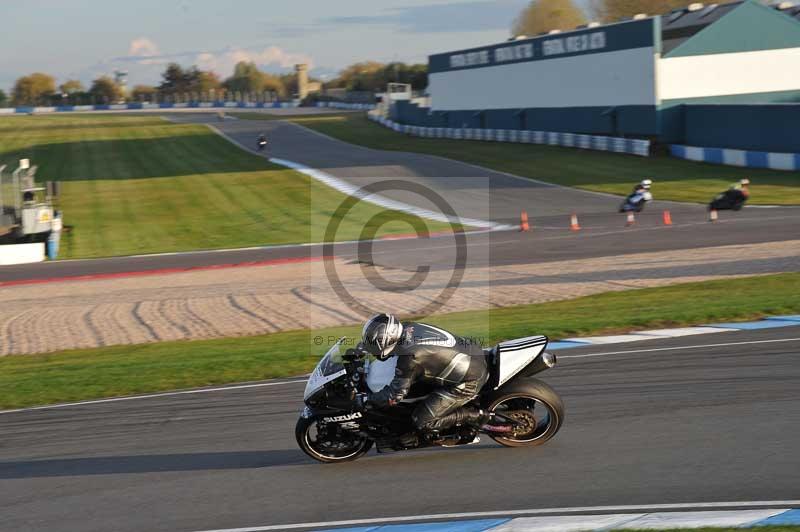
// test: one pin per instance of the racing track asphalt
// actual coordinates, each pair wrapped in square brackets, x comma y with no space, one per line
[686,425]
[473,192]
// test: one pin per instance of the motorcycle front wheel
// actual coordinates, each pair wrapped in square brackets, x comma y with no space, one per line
[537,409]
[321,445]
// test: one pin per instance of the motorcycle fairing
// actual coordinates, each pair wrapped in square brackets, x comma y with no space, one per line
[513,356]
[327,370]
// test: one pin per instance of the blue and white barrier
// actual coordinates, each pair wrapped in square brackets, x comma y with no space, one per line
[552,138]
[496,522]
[347,106]
[744,158]
[144,106]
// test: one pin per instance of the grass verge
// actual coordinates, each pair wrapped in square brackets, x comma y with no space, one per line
[28,380]
[675,179]
[767,528]
[138,184]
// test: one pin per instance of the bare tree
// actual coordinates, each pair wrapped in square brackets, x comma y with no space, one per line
[34,89]
[106,90]
[614,10]
[545,15]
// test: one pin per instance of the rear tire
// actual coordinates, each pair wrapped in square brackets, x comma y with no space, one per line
[303,433]
[548,411]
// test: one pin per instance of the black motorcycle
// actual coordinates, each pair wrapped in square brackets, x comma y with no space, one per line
[524,411]
[732,199]
[262,144]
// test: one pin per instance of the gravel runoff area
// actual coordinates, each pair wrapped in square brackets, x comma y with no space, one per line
[263,299]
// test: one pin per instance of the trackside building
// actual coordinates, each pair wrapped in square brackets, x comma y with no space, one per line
[725,75]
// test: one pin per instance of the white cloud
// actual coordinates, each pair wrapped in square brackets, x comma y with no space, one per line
[145,51]
[268,58]
[145,61]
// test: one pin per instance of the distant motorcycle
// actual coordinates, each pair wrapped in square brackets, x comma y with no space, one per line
[262,145]
[524,411]
[732,199]
[636,201]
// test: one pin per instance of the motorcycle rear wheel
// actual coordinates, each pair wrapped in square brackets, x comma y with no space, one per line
[329,452]
[536,405]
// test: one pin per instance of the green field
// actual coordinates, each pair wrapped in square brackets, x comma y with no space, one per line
[139,184]
[768,528]
[674,179]
[27,380]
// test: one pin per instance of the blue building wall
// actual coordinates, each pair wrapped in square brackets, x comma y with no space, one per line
[632,120]
[769,128]
[757,127]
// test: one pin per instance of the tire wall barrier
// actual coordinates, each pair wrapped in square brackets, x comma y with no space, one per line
[551,138]
[744,158]
[346,106]
[141,106]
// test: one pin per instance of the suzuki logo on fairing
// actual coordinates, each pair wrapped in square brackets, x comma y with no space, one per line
[348,417]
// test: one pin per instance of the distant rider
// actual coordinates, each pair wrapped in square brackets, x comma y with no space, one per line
[455,367]
[262,140]
[742,186]
[643,186]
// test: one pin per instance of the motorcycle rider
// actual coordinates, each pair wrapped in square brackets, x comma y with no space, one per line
[262,140]
[456,367]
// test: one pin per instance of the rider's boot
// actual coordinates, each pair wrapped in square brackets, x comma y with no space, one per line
[464,416]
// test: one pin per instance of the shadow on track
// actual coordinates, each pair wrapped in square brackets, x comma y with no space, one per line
[152,463]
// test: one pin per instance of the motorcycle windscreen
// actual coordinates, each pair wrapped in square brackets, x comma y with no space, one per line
[328,369]
[515,355]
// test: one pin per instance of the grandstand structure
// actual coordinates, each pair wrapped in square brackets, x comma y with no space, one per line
[722,75]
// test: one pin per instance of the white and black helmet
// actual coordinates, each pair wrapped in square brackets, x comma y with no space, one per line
[381,334]
[646,183]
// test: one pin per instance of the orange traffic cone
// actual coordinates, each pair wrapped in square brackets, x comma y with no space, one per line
[667,218]
[523,222]
[712,215]
[631,219]
[573,223]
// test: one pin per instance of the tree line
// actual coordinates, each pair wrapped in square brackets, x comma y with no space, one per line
[546,15]
[183,84]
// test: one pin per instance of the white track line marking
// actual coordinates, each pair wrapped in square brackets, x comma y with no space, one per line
[677,348]
[511,513]
[349,189]
[155,395]
[528,180]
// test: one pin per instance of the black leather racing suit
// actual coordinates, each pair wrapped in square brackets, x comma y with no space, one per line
[455,366]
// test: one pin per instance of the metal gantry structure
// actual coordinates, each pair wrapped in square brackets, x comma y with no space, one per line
[27,208]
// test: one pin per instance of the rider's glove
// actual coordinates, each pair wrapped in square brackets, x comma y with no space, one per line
[361,351]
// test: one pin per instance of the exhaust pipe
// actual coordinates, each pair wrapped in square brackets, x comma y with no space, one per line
[541,363]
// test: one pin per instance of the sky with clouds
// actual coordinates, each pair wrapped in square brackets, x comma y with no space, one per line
[87,38]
